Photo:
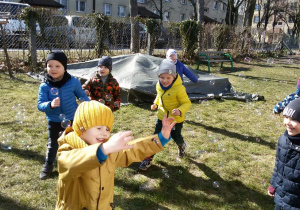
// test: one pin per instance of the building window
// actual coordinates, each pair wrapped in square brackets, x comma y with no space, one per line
[257,7]
[64,3]
[121,11]
[155,11]
[223,6]
[166,16]
[167,0]
[279,23]
[292,5]
[256,19]
[182,17]
[216,5]
[183,1]
[141,1]
[107,9]
[80,6]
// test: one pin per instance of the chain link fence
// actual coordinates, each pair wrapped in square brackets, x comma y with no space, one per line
[29,37]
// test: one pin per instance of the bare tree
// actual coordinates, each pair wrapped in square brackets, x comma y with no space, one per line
[161,7]
[232,14]
[200,19]
[134,41]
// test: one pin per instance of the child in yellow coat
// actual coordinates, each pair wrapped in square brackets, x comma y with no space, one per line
[88,157]
[171,100]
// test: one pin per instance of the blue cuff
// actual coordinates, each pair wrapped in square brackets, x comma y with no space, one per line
[163,140]
[100,156]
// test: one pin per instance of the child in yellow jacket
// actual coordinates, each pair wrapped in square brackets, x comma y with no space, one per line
[88,157]
[171,100]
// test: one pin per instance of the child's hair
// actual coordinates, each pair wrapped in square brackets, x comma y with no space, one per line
[106,61]
[293,110]
[168,67]
[170,52]
[59,56]
[90,114]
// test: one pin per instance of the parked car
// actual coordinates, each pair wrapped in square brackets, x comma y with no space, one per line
[15,29]
[82,32]
[57,32]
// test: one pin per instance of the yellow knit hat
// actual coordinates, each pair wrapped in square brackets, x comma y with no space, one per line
[90,114]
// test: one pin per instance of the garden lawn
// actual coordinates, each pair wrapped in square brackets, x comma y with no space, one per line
[230,147]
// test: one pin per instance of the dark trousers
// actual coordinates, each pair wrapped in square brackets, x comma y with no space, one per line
[54,128]
[175,133]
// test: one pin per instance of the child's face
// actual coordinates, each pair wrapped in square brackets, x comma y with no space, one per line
[97,134]
[173,57]
[103,70]
[166,79]
[55,69]
[292,126]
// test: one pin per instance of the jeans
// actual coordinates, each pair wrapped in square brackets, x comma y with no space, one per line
[54,128]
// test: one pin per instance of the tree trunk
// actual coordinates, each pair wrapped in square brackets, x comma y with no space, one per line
[200,19]
[134,41]
[6,53]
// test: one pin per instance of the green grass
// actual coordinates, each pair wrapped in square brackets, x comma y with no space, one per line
[229,141]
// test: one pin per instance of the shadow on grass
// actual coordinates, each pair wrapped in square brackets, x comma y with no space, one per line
[9,203]
[177,190]
[27,154]
[232,134]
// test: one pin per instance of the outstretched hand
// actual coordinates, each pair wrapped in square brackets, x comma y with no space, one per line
[167,126]
[117,142]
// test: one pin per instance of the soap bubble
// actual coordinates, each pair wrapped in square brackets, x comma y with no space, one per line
[54,91]
[216,184]
[290,61]
[270,61]
[81,100]
[101,101]
[164,170]
[247,59]
[117,103]
[62,116]
[108,97]
[65,123]
[7,141]
[212,82]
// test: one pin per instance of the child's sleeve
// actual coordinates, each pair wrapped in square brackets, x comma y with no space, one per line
[189,74]
[79,92]
[184,100]
[117,95]
[43,102]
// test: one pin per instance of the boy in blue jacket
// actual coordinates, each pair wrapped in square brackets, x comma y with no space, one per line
[57,95]
[180,68]
[285,181]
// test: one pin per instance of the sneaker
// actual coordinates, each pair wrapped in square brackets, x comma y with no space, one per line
[181,150]
[146,163]
[46,171]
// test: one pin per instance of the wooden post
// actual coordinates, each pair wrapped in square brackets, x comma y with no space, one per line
[32,45]
[4,20]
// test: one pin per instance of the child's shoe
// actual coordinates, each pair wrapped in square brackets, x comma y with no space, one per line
[46,171]
[181,150]
[146,163]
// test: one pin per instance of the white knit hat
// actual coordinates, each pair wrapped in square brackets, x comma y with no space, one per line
[170,52]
